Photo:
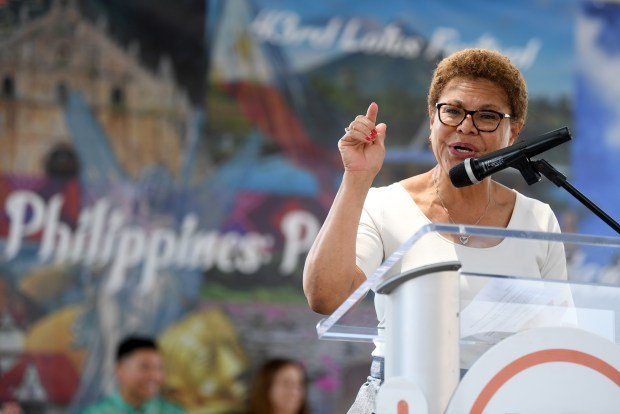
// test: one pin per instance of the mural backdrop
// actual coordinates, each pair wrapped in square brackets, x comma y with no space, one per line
[165,166]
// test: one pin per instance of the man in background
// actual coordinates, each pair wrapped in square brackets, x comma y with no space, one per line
[140,374]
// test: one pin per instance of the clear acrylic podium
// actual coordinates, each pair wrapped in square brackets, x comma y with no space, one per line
[457,341]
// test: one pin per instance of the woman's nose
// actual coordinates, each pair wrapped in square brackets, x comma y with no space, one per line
[467,126]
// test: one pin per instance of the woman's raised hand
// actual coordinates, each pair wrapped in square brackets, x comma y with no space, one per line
[362,147]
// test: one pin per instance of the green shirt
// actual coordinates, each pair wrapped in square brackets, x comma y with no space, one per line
[114,404]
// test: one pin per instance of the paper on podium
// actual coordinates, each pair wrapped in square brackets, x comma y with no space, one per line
[505,306]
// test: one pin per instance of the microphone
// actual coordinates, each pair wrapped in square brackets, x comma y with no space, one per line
[474,170]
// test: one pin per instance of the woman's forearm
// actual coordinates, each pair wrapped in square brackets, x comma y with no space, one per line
[330,272]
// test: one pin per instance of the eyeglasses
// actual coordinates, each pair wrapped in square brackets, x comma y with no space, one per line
[484,120]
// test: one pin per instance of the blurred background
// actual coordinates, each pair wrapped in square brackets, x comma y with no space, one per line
[165,167]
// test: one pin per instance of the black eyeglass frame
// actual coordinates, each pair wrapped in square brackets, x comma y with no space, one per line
[501,115]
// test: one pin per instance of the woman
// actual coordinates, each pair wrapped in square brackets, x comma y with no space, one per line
[477,103]
[279,388]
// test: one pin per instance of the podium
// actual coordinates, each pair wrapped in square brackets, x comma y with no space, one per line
[463,341]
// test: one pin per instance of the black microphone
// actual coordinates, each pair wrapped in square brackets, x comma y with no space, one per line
[473,170]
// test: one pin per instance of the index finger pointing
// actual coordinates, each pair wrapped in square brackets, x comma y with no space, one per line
[372,111]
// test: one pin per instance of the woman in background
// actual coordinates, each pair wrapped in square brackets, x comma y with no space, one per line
[279,388]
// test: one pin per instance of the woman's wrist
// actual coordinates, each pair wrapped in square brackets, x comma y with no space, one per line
[358,178]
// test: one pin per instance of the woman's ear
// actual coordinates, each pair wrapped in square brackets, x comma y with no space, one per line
[431,116]
[515,130]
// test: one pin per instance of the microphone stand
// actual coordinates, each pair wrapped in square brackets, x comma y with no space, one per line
[531,171]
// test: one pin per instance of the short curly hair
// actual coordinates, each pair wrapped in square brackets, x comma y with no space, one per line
[482,64]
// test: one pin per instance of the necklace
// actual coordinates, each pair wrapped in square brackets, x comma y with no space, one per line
[464,239]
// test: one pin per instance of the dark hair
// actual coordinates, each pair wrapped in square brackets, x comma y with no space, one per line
[259,402]
[482,64]
[133,343]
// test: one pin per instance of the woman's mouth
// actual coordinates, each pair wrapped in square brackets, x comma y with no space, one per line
[462,150]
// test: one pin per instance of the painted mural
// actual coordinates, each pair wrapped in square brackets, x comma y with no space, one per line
[165,167]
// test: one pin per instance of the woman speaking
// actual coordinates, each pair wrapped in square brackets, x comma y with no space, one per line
[477,104]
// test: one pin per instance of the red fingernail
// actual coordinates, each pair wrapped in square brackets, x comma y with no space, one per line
[374,132]
[368,139]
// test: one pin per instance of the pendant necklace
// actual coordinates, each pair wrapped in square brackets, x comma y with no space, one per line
[463,239]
